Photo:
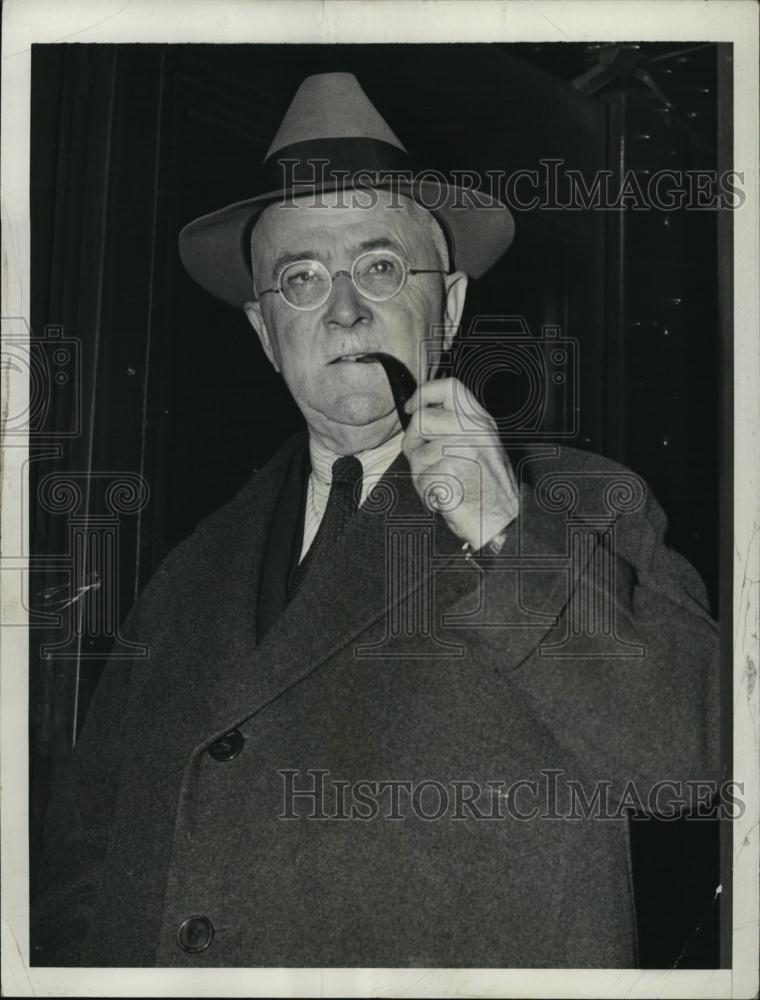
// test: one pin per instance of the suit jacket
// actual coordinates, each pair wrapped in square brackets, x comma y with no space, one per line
[574,656]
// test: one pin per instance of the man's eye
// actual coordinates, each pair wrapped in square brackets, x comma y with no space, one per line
[300,278]
[381,266]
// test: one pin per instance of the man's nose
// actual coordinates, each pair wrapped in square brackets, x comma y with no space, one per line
[346,306]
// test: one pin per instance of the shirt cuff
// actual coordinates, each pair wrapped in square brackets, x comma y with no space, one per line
[492,547]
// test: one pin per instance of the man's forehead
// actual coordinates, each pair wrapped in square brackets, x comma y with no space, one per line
[333,216]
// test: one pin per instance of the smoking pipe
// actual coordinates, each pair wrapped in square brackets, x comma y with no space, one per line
[403,383]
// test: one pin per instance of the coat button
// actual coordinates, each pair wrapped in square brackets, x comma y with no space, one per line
[195,934]
[228,747]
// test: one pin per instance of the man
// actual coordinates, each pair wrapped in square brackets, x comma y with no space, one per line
[398,688]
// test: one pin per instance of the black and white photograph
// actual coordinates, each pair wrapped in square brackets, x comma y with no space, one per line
[380,499]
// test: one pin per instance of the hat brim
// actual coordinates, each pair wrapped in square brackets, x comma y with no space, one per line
[215,249]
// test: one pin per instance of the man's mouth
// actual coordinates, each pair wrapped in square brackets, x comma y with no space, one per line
[347,357]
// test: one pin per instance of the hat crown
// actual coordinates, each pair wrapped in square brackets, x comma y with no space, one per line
[331,106]
[331,122]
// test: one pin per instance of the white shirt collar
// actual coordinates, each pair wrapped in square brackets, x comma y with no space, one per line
[375,462]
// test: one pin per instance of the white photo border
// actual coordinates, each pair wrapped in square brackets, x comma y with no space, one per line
[352,21]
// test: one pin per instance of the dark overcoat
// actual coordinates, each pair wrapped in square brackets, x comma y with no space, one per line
[447,723]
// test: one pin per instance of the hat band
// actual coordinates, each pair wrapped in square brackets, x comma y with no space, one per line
[321,163]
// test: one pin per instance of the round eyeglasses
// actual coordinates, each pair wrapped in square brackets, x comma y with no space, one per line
[378,275]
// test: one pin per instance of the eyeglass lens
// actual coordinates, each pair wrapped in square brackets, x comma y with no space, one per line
[378,275]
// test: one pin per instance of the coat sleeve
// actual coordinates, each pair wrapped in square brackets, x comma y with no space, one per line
[636,718]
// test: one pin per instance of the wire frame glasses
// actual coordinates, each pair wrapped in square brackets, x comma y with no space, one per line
[378,275]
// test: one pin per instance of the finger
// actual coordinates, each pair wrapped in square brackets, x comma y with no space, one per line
[439,392]
[434,424]
[428,454]
[457,426]
[435,421]
[449,394]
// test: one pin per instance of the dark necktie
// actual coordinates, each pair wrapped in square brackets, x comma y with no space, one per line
[342,504]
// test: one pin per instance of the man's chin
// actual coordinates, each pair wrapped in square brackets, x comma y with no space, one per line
[362,422]
[356,428]
[360,411]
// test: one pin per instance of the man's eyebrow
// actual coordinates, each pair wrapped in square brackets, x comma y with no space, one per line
[378,243]
[291,258]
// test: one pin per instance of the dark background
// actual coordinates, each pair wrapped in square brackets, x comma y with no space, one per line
[131,142]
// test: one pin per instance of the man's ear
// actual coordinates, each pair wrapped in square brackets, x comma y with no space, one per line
[253,312]
[456,291]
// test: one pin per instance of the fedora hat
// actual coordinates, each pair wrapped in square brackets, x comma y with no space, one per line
[332,136]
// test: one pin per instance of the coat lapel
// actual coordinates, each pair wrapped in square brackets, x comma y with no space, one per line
[376,565]
[346,593]
[283,544]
